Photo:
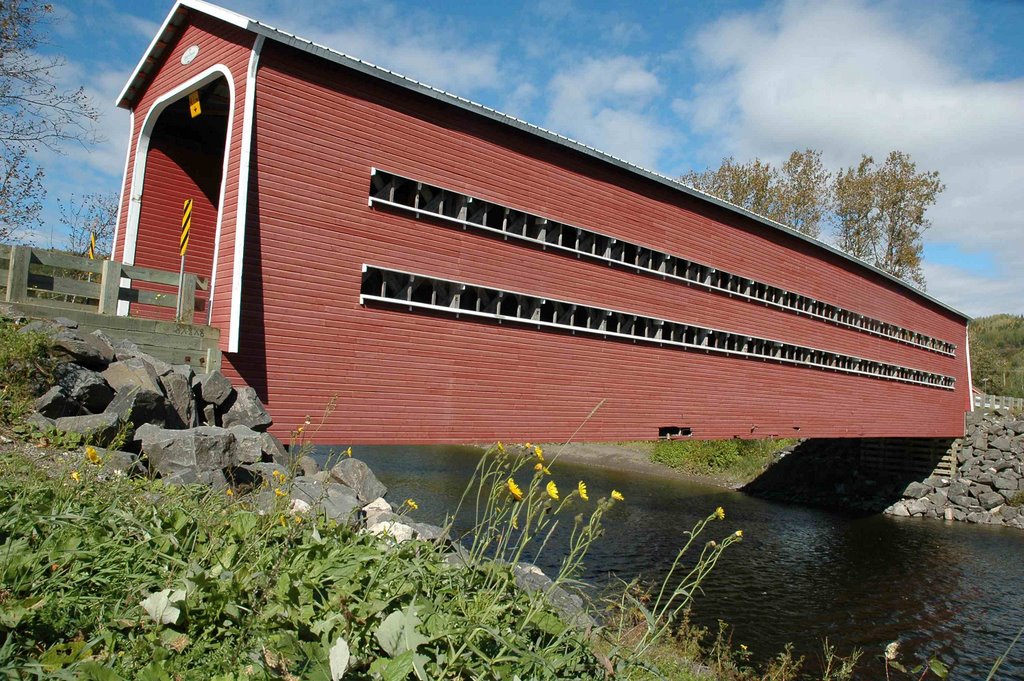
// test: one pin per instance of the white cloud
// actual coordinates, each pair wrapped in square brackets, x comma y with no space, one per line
[605,102]
[975,295]
[852,78]
[415,43]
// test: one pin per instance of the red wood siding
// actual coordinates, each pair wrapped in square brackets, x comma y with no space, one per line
[219,44]
[167,187]
[414,377]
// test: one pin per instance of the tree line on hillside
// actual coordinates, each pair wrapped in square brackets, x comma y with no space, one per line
[874,211]
[997,354]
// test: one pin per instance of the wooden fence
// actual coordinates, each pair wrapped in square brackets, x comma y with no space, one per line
[998,401]
[45,283]
[34,275]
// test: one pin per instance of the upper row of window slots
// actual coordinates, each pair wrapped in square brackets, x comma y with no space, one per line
[401,192]
[456,297]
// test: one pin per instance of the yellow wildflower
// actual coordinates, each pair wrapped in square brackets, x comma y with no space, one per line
[720,513]
[283,521]
[582,488]
[617,495]
[501,447]
[514,490]
[348,452]
[528,445]
[411,504]
[93,456]
[276,474]
[230,492]
[298,431]
[541,468]
[739,533]
[540,453]
[298,519]
[552,490]
[75,476]
[278,492]
[743,647]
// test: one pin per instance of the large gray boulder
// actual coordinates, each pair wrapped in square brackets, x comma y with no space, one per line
[179,393]
[990,500]
[532,579]
[54,404]
[139,406]
[212,388]
[132,372]
[87,350]
[340,504]
[40,422]
[247,410]
[274,450]
[84,386]
[97,429]
[357,475]
[173,452]
[248,447]
[916,490]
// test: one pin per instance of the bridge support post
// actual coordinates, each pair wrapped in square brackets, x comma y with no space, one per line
[110,287]
[17,274]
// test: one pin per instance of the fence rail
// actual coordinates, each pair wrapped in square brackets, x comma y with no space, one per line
[997,401]
[42,283]
[33,275]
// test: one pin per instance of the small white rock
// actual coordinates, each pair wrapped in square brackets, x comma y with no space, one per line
[399,532]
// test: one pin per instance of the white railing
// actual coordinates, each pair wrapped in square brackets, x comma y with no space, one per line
[997,401]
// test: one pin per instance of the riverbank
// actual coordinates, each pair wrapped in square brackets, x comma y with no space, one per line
[634,457]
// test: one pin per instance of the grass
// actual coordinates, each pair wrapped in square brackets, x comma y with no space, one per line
[128,578]
[734,460]
[26,368]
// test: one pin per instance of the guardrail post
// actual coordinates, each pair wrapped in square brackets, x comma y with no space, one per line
[187,298]
[17,274]
[110,287]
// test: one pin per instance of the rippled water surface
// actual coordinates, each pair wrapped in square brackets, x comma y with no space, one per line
[801,575]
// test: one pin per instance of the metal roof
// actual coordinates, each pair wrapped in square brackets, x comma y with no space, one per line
[179,14]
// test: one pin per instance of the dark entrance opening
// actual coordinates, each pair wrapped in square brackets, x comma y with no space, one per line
[185,160]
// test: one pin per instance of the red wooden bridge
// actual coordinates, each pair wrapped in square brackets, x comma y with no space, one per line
[453,274]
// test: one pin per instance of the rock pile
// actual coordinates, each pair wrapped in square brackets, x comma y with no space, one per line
[146,416]
[988,486]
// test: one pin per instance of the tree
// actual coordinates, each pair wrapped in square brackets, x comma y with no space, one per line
[876,213]
[793,194]
[94,213]
[880,213]
[34,112]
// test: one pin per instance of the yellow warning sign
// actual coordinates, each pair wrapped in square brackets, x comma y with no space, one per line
[193,104]
[186,226]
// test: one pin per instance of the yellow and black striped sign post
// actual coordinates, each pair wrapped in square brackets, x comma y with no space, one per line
[92,245]
[186,228]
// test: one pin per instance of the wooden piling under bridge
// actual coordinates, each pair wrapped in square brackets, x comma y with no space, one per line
[100,294]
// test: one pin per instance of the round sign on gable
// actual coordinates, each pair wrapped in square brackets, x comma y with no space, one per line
[189,54]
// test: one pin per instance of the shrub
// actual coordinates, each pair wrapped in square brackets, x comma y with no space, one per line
[26,367]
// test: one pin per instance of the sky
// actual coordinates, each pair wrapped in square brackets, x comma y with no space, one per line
[671,86]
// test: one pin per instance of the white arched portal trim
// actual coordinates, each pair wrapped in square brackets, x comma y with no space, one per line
[131,232]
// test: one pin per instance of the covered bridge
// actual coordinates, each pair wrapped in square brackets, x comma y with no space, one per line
[453,274]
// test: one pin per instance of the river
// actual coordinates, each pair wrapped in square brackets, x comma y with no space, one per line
[801,575]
